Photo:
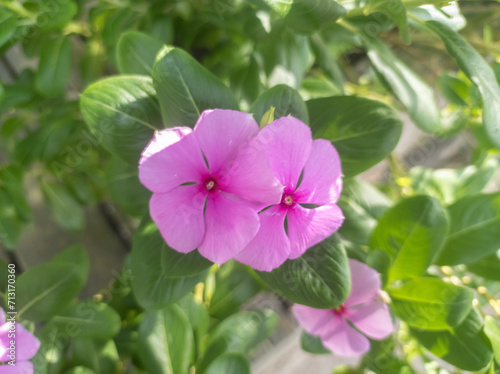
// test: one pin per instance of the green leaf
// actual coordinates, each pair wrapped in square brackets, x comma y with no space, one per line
[166,341]
[487,267]
[123,113]
[455,90]
[319,278]
[479,72]
[75,255]
[136,53]
[54,68]
[396,10]
[99,355]
[49,358]
[198,317]
[382,358]
[234,286]
[307,17]
[286,102]
[416,96]
[492,330]
[185,88]
[282,7]
[363,131]
[8,24]
[64,207]
[79,370]
[312,344]
[54,17]
[466,346]
[245,82]
[430,303]
[229,363]
[361,204]
[89,319]
[162,276]
[411,232]
[474,232]
[10,223]
[445,12]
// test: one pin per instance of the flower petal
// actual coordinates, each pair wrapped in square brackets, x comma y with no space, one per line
[220,134]
[251,176]
[22,367]
[288,144]
[314,320]
[172,158]
[179,216]
[372,319]
[322,179]
[365,283]
[26,343]
[307,227]
[230,225]
[270,247]
[343,340]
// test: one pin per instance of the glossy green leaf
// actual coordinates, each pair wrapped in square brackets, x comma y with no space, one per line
[487,267]
[122,112]
[411,232]
[417,97]
[229,363]
[99,355]
[185,88]
[312,344]
[474,232]
[492,330]
[89,319]
[465,346]
[445,12]
[430,303]
[361,204]
[363,131]
[282,7]
[136,53]
[65,209]
[8,24]
[54,68]
[308,17]
[478,71]
[286,102]
[395,10]
[166,341]
[455,90]
[319,278]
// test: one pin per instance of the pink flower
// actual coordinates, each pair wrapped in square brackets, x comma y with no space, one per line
[24,348]
[361,308]
[310,172]
[208,184]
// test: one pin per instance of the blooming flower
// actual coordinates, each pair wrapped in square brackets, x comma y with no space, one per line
[310,172]
[208,184]
[24,348]
[361,308]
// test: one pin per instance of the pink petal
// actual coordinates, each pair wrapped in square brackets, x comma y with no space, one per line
[172,158]
[230,225]
[26,343]
[373,319]
[322,179]
[314,320]
[251,177]
[343,340]
[179,216]
[22,367]
[307,227]
[220,134]
[365,283]
[288,144]
[270,247]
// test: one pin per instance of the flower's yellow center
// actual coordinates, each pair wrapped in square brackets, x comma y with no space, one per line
[288,200]
[209,185]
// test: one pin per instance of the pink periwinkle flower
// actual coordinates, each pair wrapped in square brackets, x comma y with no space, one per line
[362,309]
[307,213]
[24,348]
[208,184]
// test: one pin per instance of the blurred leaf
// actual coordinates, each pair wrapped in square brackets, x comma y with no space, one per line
[185,88]
[455,90]
[136,53]
[285,100]
[199,320]
[79,370]
[53,345]
[11,125]
[8,24]
[229,363]
[166,341]
[65,209]
[54,16]
[487,267]
[396,10]
[99,355]
[417,97]
[430,303]
[478,71]
[307,17]
[312,344]
[445,12]
[75,255]
[10,222]
[383,358]
[319,278]
[54,68]
[282,7]
[361,204]
[363,131]
[411,232]
[88,319]
[474,232]
[465,346]
[245,81]
[326,62]
[123,113]
[492,330]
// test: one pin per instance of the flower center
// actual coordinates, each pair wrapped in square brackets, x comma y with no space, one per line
[210,184]
[288,199]
[340,310]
